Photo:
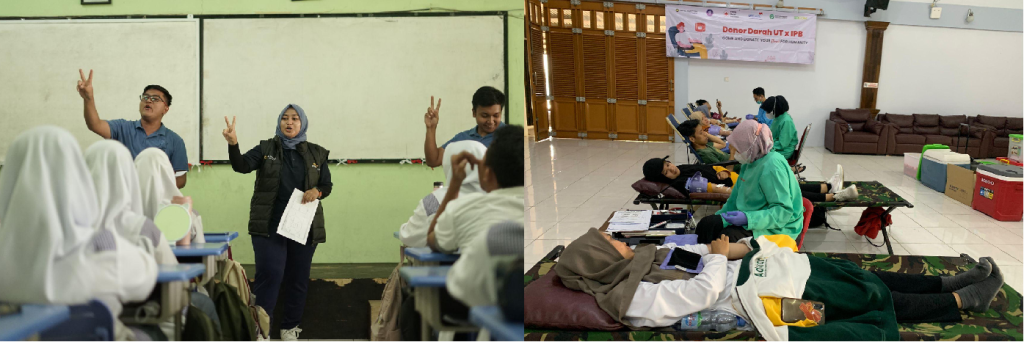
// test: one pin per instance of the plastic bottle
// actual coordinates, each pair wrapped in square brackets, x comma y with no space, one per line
[713,320]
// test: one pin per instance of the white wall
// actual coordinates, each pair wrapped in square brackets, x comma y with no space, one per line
[951,71]
[812,90]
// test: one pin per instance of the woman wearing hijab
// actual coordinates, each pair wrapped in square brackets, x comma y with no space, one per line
[283,164]
[749,278]
[783,129]
[713,179]
[766,199]
[52,246]
[120,199]
[159,189]
[414,232]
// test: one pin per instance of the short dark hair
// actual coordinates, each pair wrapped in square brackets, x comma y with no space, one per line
[167,94]
[505,156]
[689,127]
[759,91]
[487,96]
[701,102]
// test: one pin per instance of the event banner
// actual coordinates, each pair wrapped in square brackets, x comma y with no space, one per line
[740,35]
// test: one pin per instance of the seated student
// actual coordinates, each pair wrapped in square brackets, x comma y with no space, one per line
[501,176]
[472,279]
[156,179]
[718,179]
[52,247]
[783,129]
[766,200]
[861,305]
[716,118]
[704,143]
[414,232]
[120,200]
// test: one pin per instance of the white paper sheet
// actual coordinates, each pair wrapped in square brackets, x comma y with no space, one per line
[630,221]
[297,218]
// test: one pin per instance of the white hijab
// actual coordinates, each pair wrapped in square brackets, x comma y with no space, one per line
[156,179]
[47,217]
[471,184]
[117,188]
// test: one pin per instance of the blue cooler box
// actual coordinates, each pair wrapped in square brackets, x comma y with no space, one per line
[933,167]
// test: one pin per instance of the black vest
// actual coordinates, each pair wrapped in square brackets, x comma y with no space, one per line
[268,180]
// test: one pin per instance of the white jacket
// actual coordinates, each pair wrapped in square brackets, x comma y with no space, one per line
[774,272]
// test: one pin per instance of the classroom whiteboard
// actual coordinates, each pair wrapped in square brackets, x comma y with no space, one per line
[39,62]
[364,83]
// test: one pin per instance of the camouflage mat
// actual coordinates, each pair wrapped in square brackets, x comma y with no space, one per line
[871,194]
[1001,323]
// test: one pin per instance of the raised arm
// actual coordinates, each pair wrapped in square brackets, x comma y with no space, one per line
[92,118]
[431,152]
[241,163]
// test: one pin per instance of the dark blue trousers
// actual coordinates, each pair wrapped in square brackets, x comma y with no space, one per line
[282,265]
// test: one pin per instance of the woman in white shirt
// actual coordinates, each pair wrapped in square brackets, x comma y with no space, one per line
[159,189]
[51,249]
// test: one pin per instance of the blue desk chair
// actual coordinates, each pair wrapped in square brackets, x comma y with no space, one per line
[31,320]
[423,256]
[427,283]
[220,237]
[86,322]
[491,319]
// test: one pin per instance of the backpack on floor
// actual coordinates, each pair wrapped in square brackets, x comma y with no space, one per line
[198,326]
[236,321]
[385,327]
[232,273]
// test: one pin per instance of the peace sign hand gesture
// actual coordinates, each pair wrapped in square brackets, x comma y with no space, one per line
[229,133]
[431,117]
[85,85]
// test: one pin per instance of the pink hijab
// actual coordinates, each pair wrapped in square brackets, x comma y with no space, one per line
[752,139]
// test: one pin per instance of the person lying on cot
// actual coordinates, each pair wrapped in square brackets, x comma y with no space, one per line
[413,232]
[719,117]
[711,179]
[710,149]
[53,247]
[766,200]
[715,129]
[749,278]
[120,199]
[459,219]
[156,179]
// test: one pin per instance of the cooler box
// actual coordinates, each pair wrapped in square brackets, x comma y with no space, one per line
[933,167]
[910,163]
[998,192]
[1015,145]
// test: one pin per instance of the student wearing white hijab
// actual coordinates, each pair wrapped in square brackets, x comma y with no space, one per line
[120,199]
[50,248]
[158,189]
[414,232]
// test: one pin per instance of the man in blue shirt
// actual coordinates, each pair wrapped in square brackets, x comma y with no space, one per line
[762,117]
[141,134]
[487,106]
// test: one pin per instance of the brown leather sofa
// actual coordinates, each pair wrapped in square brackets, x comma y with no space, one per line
[909,133]
[853,131]
[999,129]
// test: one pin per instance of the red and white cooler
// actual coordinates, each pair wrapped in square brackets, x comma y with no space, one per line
[999,191]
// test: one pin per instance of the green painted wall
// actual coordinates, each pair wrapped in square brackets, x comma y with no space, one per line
[369,202]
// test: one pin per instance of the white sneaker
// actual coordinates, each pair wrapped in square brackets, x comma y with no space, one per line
[848,194]
[837,180]
[290,334]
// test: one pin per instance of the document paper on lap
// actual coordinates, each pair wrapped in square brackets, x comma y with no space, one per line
[297,218]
